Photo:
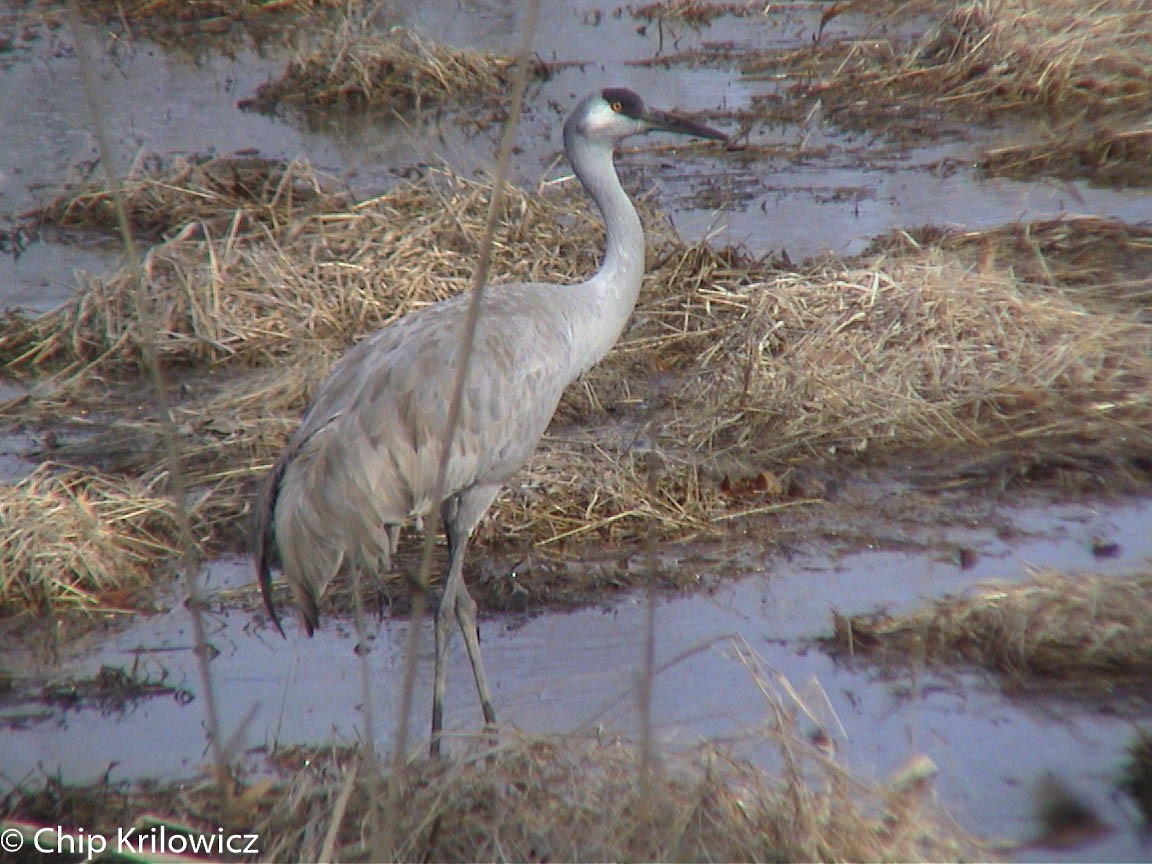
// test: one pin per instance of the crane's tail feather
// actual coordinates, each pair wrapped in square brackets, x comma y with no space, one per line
[264,539]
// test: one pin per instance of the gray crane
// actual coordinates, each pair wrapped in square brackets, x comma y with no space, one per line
[366,456]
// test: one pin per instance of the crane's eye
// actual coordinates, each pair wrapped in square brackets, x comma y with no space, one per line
[617,106]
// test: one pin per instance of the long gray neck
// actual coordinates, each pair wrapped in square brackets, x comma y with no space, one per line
[612,292]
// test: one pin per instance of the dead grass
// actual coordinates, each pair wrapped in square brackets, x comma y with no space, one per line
[1109,153]
[732,375]
[529,799]
[1084,627]
[255,293]
[1102,263]
[912,353]
[694,13]
[1083,70]
[583,800]
[201,10]
[198,195]
[74,540]
[1071,58]
[399,70]
[191,26]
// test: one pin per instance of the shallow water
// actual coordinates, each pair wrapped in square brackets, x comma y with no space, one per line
[578,671]
[834,193]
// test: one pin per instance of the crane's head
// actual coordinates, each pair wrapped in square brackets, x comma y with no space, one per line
[615,113]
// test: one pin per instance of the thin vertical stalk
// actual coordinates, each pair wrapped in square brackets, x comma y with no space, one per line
[479,281]
[189,564]
[644,694]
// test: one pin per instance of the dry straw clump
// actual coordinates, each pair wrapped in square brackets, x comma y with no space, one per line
[1082,69]
[1100,262]
[532,799]
[394,71]
[694,13]
[731,370]
[255,292]
[1066,56]
[905,352]
[199,10]
[1086,626]
[580,800]
[78,540]
[201,194]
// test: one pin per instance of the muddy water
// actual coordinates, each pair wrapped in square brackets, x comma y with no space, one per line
[578,671]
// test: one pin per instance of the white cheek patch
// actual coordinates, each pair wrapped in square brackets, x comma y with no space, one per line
[601,119]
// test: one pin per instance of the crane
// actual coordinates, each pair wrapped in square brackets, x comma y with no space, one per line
[366,455]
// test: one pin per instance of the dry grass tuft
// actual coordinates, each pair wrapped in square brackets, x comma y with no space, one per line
[395,71]
[1111,153]
[1091,627]
[192,26]
[694,13]
[732,373]
[1102,263]
[579,800]
[1068,57]
[904,353]
[77,540]
[1083,69]
[204,10]
[260,290]
[200,196]
[565,799]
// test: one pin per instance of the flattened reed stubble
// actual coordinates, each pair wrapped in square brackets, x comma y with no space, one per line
[568,798]
[730,365]
[398,70]
[587,799]
[1081,71]
[75,540]
[1053,624]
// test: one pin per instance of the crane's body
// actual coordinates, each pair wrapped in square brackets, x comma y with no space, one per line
[366,456]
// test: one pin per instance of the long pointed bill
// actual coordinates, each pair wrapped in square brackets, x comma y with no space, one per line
[663,121]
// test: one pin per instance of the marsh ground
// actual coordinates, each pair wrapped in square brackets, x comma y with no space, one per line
[925,365]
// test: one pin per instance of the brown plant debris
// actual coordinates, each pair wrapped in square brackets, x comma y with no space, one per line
[163,17]
[565,799]
[202,10]
[1086,626]
[732,371]
[256,292]
[399,70]
[1105,264]
[695,13]
[76,540]
[1082,69]
[111,689]
[200,195]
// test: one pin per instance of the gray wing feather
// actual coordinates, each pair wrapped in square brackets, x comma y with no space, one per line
[367,451]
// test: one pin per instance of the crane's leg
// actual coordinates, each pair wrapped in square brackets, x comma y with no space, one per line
[461,513]
[444,614]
